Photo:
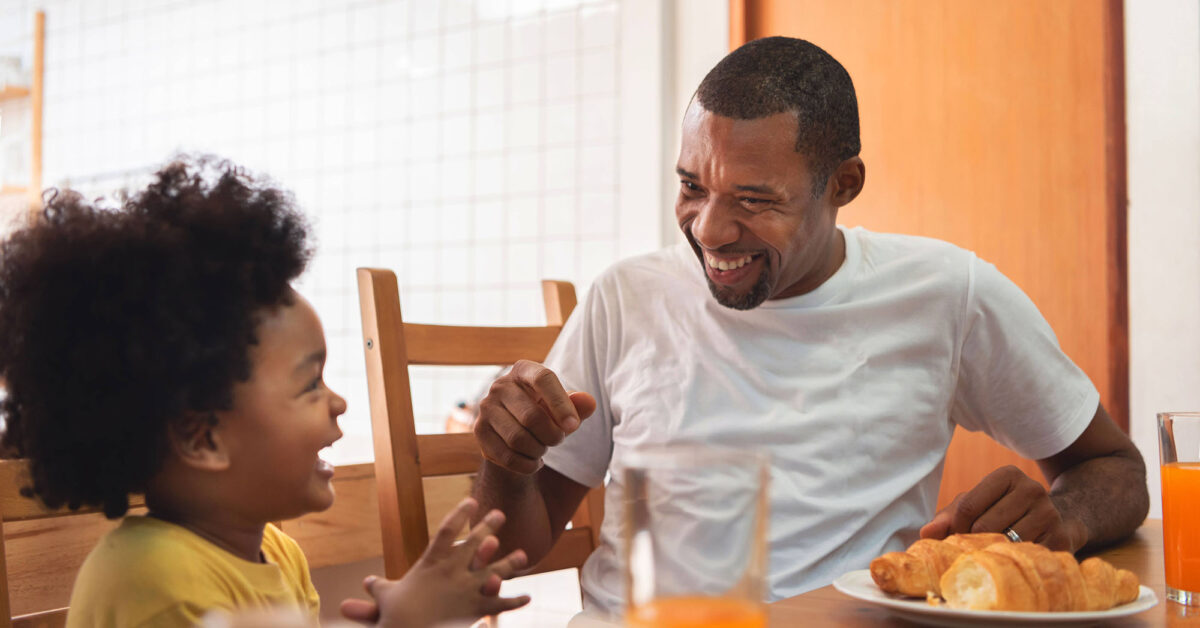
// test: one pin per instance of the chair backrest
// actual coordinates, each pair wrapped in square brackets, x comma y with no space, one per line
[420,477]
[59,547]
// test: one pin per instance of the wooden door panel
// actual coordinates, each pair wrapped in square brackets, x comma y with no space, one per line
[998,126]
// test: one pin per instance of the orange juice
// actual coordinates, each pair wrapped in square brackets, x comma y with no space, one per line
[1181,524]
[697,612]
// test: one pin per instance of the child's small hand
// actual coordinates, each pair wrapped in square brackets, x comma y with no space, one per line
[450,581]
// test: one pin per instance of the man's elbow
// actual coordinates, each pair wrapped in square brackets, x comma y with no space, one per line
[1137,493]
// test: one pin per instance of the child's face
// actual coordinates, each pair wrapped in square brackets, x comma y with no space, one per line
[281,418]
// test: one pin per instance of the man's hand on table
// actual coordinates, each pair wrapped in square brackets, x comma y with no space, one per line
[526,412]
[1008,498]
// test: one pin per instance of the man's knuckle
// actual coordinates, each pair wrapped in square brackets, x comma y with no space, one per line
[1033,489]
[528,445]
[530,416]
[965,507]
[544,377]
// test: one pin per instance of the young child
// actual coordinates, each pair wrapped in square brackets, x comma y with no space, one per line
[160,349]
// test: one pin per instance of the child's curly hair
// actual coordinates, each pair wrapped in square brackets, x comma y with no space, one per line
[118,324]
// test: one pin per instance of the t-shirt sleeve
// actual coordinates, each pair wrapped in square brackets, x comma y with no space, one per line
[579,359]
[1014,381]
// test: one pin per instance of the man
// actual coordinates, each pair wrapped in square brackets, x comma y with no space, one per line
[849,356]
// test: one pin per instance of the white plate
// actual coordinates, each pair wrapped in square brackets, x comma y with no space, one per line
[859,584]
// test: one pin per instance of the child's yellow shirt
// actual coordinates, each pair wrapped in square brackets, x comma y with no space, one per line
[148,572]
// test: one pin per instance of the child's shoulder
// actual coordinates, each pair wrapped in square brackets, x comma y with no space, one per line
[143,569]
[148,568]
[148,551]
[283,550]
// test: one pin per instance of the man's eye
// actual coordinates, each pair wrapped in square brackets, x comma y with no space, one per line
[689,185]
[757,204]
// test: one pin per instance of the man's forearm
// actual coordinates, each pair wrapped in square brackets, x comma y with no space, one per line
[1108,495]
[520,498]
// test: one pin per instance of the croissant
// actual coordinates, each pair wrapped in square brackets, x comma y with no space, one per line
[917,571]
[1030,577]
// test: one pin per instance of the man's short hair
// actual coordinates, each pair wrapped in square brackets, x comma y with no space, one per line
[779,74]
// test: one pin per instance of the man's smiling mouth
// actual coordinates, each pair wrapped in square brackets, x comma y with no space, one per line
[727,264]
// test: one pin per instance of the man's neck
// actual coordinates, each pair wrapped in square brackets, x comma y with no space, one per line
[833,257]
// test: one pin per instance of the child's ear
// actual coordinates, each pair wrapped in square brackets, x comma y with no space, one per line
[196,441]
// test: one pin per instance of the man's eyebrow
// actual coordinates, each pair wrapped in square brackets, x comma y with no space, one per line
[684,173]
[757,189]
[317,357]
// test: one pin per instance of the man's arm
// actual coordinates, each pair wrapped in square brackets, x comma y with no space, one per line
[538,506]
[1100,481]
[526,412]
[1097,495]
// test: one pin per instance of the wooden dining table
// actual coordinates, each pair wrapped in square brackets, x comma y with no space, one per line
[1142,554]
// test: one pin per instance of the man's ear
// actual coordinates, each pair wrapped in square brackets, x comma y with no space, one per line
[847,180]
[197,441]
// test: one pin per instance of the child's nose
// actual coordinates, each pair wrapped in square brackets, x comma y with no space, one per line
[337,406]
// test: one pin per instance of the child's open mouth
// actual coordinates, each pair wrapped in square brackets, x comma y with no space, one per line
[323,468]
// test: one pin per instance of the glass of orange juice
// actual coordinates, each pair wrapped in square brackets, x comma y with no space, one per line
[1179,450]
[694,533]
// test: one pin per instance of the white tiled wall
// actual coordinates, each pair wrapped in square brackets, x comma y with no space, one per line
[471,145]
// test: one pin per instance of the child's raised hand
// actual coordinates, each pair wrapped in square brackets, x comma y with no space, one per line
[449,582]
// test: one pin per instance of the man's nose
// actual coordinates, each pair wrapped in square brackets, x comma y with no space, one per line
[715,225]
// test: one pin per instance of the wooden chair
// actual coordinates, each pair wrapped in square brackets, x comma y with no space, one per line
[57,540]
[420,477]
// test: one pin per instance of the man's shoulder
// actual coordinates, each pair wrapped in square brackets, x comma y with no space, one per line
[892,254]
[906,246]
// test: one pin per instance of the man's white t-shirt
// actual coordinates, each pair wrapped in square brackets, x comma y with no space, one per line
[853,389]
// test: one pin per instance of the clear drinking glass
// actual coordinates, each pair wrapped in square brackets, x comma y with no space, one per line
[695,526]
[1179,451]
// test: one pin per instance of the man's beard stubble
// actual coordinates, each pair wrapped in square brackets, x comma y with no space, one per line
[748,301]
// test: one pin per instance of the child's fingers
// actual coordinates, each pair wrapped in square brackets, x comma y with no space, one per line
[497,605]
[483,555]
[360,610]
[509,565]
[490,586]
[448,530]
[482,530]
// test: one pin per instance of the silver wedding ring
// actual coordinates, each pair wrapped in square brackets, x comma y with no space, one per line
[1012,535]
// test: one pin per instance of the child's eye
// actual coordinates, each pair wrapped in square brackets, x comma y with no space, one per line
[314,384]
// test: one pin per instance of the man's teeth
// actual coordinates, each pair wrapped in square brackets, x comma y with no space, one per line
[726,265]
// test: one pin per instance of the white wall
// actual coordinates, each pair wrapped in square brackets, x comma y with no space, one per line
[474,146]
[1162,86]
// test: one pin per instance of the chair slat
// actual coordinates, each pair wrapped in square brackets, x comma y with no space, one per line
[462,346]
[56,618]
[448,454]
